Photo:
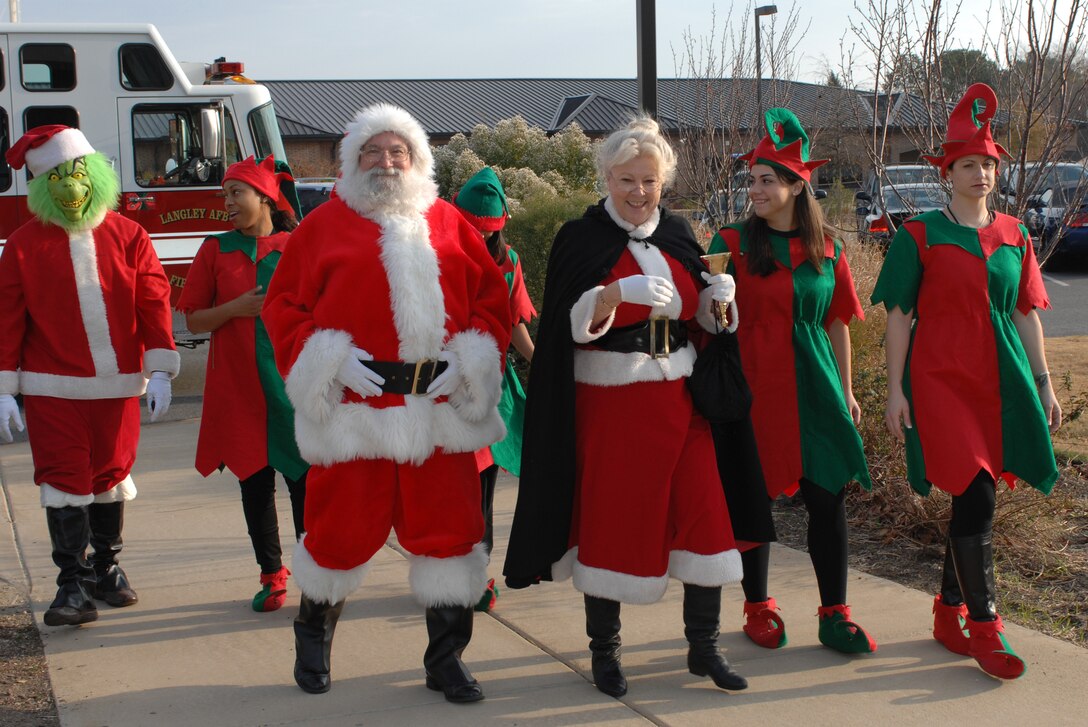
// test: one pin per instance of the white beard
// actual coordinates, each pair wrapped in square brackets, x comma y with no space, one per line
[380,192]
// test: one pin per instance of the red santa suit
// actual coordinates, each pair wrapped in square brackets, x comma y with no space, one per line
[84,320]
[404,287]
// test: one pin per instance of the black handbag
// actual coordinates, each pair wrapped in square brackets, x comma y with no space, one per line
[717,384]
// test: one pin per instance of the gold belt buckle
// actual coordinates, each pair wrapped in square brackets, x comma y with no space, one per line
[663,322]
[415,376]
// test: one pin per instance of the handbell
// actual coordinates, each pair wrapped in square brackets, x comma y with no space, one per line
[717,264]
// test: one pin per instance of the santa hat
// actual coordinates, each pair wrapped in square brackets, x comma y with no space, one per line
[482,201]
[785,146]
[374,120]
[969,128]
[264,178]
[44,147]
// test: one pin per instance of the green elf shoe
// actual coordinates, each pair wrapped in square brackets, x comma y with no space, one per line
[989,647]
[487,601]
[838,632]
[273,591]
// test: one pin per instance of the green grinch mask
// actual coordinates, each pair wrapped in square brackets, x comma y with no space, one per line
[74,194]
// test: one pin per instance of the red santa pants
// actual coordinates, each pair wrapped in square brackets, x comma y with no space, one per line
[648,479]
[434,508]
[82,446]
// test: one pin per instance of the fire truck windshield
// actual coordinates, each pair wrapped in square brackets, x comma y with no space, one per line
[266,132]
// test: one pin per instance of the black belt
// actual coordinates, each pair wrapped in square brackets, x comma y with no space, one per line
[654,336]
[407,378]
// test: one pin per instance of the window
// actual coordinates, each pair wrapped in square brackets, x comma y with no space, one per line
[143,69]
[266,133]
[3,75]
[43,115]
[48,67]
[170,148]
[5,142]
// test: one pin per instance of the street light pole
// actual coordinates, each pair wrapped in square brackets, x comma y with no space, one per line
[760,12]
[646,30]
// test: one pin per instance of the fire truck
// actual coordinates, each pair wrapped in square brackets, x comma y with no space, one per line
[170,128]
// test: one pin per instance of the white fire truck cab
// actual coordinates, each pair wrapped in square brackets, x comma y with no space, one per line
[171,129]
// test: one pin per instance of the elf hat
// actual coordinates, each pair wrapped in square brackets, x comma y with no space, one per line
[785,146]
[44,147]
[483,202]
[969,128]
[263,177]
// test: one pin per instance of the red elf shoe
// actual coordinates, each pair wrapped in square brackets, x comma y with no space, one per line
[838,632]
[948,626]
[273,591]
[764,625]
[991,650]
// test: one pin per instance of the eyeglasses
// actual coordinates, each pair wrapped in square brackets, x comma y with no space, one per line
[396,154]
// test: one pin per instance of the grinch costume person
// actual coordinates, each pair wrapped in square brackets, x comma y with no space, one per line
[85,329]
[482,201]
[389,321]
[968,390]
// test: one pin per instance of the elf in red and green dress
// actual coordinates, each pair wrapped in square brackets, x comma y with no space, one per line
[248,423]
[968,389]
[796,298]
[482,201]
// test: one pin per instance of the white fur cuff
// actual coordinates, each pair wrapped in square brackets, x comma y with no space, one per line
[456,581]
[311,384]
[123,491]
[324,585]
[616,586]
[481,370]
[53,497]
[705,570]
[581,317]
[162,359]
[9,382]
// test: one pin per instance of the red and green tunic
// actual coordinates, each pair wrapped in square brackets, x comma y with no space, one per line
[974,405]
[247,423]
[802,424]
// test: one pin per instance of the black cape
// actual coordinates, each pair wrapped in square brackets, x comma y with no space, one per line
[584,252]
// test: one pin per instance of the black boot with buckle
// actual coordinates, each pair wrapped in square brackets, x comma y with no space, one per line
[702,610]
[603,630]
[314,628]
[69,533]
[449,629]
[111,584]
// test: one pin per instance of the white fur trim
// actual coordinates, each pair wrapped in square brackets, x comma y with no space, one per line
[581,317]
[455,581]
[311,384]
[9,382]
[52,497]
[162,359]
[123,491]
[118,386]
[706,570]
[563,568]
[622,587]
[63,146]
[411,267]
[638,232]
[324,585]
[481,373]
[652,262]
[92,303]
[612,368]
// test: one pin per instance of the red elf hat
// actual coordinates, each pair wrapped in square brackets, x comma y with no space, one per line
[44,147]
[969,128]
[263,177]
[785,146]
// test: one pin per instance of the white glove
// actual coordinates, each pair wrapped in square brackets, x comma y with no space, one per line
[722,287]
[158,394]
[650,290]
[446,382]
[9,410]
[353,375]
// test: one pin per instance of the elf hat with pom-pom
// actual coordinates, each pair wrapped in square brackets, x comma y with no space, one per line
[785,146]
[969,128]
[482,201]
[264,178]
[44,147]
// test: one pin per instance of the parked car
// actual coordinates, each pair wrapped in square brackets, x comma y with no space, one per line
[1038,178]
[895,175]
[1046,210]
[901,202]
[312,192]
[1066,240]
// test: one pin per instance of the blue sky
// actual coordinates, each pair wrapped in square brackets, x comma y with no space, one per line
[447,38]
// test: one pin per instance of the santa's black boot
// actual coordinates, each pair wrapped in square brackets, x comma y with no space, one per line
[69,534]
[314,627]
[111,584]
[702,611]
[449,629]
[603,630]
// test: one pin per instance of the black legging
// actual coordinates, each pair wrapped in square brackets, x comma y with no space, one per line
[259,507]
[973,511]
[827,548]
[488,476]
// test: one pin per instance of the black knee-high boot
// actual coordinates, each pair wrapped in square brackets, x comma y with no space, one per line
[314,628]
[702,610]
[111,584]
[69,533]
[603,630]
[974,559]
[950,585]
[449,629]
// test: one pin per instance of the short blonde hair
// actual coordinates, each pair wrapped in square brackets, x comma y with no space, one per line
[641,136]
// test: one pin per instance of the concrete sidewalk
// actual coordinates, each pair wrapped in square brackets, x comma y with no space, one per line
[193,653]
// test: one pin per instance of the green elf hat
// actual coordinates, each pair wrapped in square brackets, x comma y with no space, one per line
[482,201]
[969,128]
[785,146]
